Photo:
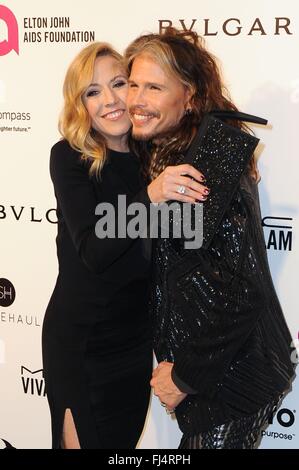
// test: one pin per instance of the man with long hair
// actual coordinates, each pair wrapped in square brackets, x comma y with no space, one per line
[220,337]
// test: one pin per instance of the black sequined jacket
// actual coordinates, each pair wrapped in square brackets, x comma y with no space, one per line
[216,316]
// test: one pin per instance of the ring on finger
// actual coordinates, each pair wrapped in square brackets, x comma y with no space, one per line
[182,189]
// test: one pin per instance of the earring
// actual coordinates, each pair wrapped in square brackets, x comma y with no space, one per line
[188,112]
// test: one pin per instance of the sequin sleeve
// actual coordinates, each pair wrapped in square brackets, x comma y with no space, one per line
[217,300]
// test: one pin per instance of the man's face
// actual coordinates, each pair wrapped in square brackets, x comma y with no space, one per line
[156,101]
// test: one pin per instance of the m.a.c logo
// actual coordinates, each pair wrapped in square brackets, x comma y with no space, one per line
[12,41]
[7,293]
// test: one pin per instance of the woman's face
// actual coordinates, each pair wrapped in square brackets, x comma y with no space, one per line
[105,101]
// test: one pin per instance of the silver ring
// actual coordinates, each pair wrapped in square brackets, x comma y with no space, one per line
[181,189]
[163,404]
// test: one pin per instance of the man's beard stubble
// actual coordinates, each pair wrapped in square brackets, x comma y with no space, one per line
[144,137]
[157,138]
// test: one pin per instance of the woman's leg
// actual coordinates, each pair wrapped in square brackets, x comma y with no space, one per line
[69,438]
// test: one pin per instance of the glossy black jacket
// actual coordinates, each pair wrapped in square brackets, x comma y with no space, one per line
[217,317]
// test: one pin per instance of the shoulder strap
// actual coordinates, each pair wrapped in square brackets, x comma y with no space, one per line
[238,115]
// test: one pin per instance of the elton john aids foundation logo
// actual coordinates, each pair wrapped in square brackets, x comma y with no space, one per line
[12,41]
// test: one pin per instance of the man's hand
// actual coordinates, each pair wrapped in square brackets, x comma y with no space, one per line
[164,387]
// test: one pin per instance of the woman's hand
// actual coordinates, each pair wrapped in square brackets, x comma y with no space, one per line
[165,187]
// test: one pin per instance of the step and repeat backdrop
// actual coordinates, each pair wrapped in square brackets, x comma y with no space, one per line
[257,46]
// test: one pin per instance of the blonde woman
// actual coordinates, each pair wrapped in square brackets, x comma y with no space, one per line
[97,348]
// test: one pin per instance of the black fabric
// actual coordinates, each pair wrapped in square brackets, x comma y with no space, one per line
[182,386]
[237,115]
[97,349]
[216,315]
[222,153]
[244,433]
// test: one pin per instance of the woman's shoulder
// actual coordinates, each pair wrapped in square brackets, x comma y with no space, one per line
[64,158]
[63,147]
[62,155]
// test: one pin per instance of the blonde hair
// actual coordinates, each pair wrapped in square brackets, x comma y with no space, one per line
[75,122]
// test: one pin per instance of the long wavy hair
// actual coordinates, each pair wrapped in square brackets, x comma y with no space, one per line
[182,54]
[75,122]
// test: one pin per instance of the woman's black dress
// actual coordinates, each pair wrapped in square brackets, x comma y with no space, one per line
[97,350]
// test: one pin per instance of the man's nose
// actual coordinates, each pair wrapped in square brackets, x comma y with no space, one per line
[136,97]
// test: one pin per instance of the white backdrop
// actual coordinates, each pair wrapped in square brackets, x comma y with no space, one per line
[257,45]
